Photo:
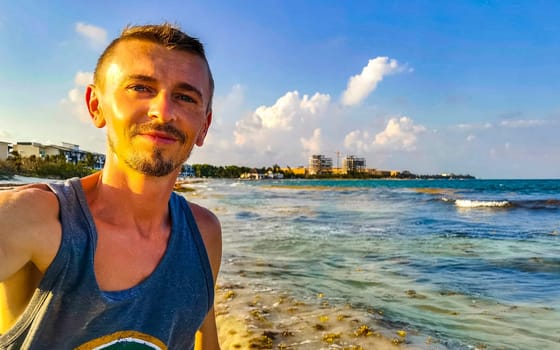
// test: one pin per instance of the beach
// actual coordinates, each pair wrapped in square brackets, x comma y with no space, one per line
[270,320]
[387,264]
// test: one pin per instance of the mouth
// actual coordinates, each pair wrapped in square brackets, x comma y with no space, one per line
[161,134]
[159,137]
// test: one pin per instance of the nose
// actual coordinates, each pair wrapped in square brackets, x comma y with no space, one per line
[161,107]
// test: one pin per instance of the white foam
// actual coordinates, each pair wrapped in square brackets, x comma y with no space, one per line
[467,203]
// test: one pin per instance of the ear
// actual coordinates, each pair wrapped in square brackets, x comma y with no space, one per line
[94,106]
[202,134]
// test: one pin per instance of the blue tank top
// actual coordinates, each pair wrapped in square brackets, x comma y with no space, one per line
[69,311]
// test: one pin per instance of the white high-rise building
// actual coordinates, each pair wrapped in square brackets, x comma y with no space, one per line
[320,164]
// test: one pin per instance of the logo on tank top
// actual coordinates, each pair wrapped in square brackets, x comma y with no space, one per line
[126,340]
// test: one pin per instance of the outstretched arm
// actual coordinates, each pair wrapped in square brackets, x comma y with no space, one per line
[29,238]
[29,229]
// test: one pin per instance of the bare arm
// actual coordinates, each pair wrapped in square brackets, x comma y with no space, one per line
[210,229]
[29,229]
[29,239]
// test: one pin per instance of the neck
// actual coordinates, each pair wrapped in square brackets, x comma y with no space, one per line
[130,199]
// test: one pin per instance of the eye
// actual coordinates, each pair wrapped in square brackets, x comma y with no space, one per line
[139,88]
[185,98]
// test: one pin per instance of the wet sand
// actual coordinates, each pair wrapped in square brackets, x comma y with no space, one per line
[267,319]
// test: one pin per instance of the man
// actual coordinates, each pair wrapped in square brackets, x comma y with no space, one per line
[116,259]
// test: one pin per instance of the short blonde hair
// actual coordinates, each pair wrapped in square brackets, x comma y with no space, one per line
[165,34]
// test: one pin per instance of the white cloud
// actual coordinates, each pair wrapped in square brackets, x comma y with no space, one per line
[74,95]
[313,144]
[481,126]
[361,85]
[287,111]
[74,101]
[97,36]
[316,104]
[287,132]
[289,106]
[219,141]
[521,123]
[83,78]
[511,123]
[283,132]
[399,134]
[358,141]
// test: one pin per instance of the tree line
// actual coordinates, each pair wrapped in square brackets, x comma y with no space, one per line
[55,167]
[232,171]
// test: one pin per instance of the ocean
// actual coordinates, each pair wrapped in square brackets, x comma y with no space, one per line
[457,264]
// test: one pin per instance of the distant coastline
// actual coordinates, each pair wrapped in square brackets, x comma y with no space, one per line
[61,168]
[277,172]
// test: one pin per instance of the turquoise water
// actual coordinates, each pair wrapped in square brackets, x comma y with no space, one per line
[471,263]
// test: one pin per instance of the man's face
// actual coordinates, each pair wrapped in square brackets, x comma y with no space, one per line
[154,103]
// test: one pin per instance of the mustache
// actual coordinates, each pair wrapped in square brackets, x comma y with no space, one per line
[165,128]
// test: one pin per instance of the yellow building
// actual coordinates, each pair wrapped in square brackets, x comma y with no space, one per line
[339,171]
[296,171]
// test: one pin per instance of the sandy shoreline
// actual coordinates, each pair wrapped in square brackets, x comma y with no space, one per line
[271,320]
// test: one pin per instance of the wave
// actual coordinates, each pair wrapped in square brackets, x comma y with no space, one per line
[525,204]
[467,203]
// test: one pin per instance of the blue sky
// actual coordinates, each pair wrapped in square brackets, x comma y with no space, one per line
[425,86]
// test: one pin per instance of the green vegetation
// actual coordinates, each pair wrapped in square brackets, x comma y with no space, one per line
[6,170]
[229,171]
[234,171]
[54,167]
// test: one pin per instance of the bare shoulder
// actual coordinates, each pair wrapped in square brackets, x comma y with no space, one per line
[27,205]
[211,232]
[29,226]
[205,219]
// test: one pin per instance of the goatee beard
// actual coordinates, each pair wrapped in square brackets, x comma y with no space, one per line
[155,164]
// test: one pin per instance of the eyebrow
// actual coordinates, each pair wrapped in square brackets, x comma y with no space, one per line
[182,86]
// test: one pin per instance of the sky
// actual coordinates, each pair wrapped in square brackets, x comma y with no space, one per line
[464,87]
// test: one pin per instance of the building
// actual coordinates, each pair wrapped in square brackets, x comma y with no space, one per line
[253,175]
[4,150]
[379,173]
[338,171]
[29,149]
[187,171]
[297,171]
[272,175]
[320,164]
[71,153]
[353,164]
